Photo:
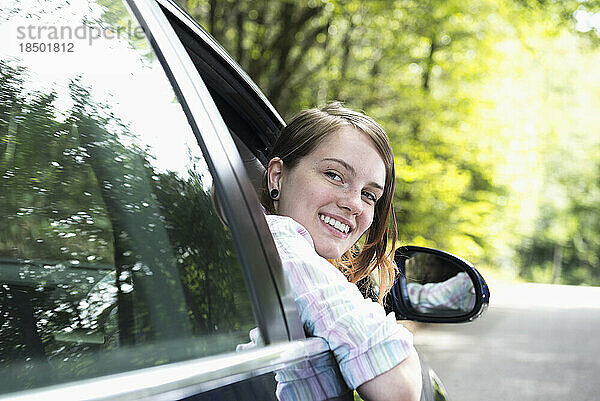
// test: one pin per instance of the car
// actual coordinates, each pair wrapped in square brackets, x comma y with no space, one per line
[134,255]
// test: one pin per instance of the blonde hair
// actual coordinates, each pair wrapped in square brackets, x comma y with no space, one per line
[298,139]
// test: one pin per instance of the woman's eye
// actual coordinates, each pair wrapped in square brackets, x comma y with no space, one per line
[333,176]
[370,197]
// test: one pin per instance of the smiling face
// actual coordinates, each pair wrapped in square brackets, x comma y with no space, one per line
[333,190]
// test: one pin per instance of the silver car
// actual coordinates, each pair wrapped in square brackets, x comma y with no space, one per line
[134,255]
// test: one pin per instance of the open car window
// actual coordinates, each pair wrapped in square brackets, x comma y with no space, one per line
[112,256]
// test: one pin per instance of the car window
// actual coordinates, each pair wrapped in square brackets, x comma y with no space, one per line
[112,256]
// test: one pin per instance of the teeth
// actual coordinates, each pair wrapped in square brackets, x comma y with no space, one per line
[336,224]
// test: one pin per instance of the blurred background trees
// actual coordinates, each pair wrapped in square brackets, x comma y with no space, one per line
[96,230]
[492,108]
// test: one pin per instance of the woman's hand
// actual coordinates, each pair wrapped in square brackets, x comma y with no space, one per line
[402,382]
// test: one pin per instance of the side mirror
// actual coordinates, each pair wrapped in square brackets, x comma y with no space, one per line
[436,286]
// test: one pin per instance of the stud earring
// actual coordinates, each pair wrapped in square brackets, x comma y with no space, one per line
[274,193]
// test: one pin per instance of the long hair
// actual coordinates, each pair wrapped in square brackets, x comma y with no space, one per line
[298,139]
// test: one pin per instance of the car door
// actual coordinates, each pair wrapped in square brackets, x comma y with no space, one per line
[119,278]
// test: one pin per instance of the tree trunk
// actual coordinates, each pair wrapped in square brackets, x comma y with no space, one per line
[11,140]
[239,22]
[429,64]
[347,46]
[558,252]
[212,17]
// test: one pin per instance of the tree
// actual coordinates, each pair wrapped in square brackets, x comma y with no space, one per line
[96,243]
[451,82]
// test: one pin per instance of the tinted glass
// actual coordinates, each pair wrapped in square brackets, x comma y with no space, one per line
[112,256]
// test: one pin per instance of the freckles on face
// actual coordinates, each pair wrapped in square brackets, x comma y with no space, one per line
[333,191]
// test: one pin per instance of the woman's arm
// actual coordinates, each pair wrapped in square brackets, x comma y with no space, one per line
[402,382]
[456,293]
[375,354]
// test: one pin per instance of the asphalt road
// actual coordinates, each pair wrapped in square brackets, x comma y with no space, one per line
[535,342]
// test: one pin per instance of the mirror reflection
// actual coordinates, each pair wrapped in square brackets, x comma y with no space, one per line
[438,285]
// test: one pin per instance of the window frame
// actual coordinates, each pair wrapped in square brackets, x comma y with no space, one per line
[180,379]
[274,308]
[247,104]
[271,298]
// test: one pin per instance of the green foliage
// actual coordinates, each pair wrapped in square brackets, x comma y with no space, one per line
[477,99]
[107,263]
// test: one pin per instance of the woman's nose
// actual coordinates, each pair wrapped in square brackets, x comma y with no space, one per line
[352,202]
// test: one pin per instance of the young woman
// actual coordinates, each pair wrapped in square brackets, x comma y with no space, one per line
[329,183]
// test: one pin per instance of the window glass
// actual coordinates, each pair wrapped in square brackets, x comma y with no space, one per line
[112,256]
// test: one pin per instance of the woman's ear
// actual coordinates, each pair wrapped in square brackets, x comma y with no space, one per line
[274,178]
[274,174]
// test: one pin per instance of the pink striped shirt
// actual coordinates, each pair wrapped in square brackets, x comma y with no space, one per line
[365,341]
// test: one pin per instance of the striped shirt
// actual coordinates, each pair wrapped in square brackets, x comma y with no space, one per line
[456,293]
[364,341]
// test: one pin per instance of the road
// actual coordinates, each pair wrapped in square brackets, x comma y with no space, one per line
[535,342]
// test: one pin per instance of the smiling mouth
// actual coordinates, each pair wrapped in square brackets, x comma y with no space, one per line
[341,227]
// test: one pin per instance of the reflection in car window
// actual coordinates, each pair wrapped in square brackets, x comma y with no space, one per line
[111,254]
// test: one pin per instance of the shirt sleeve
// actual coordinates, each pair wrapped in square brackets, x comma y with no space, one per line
[364,341]
[456,293]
